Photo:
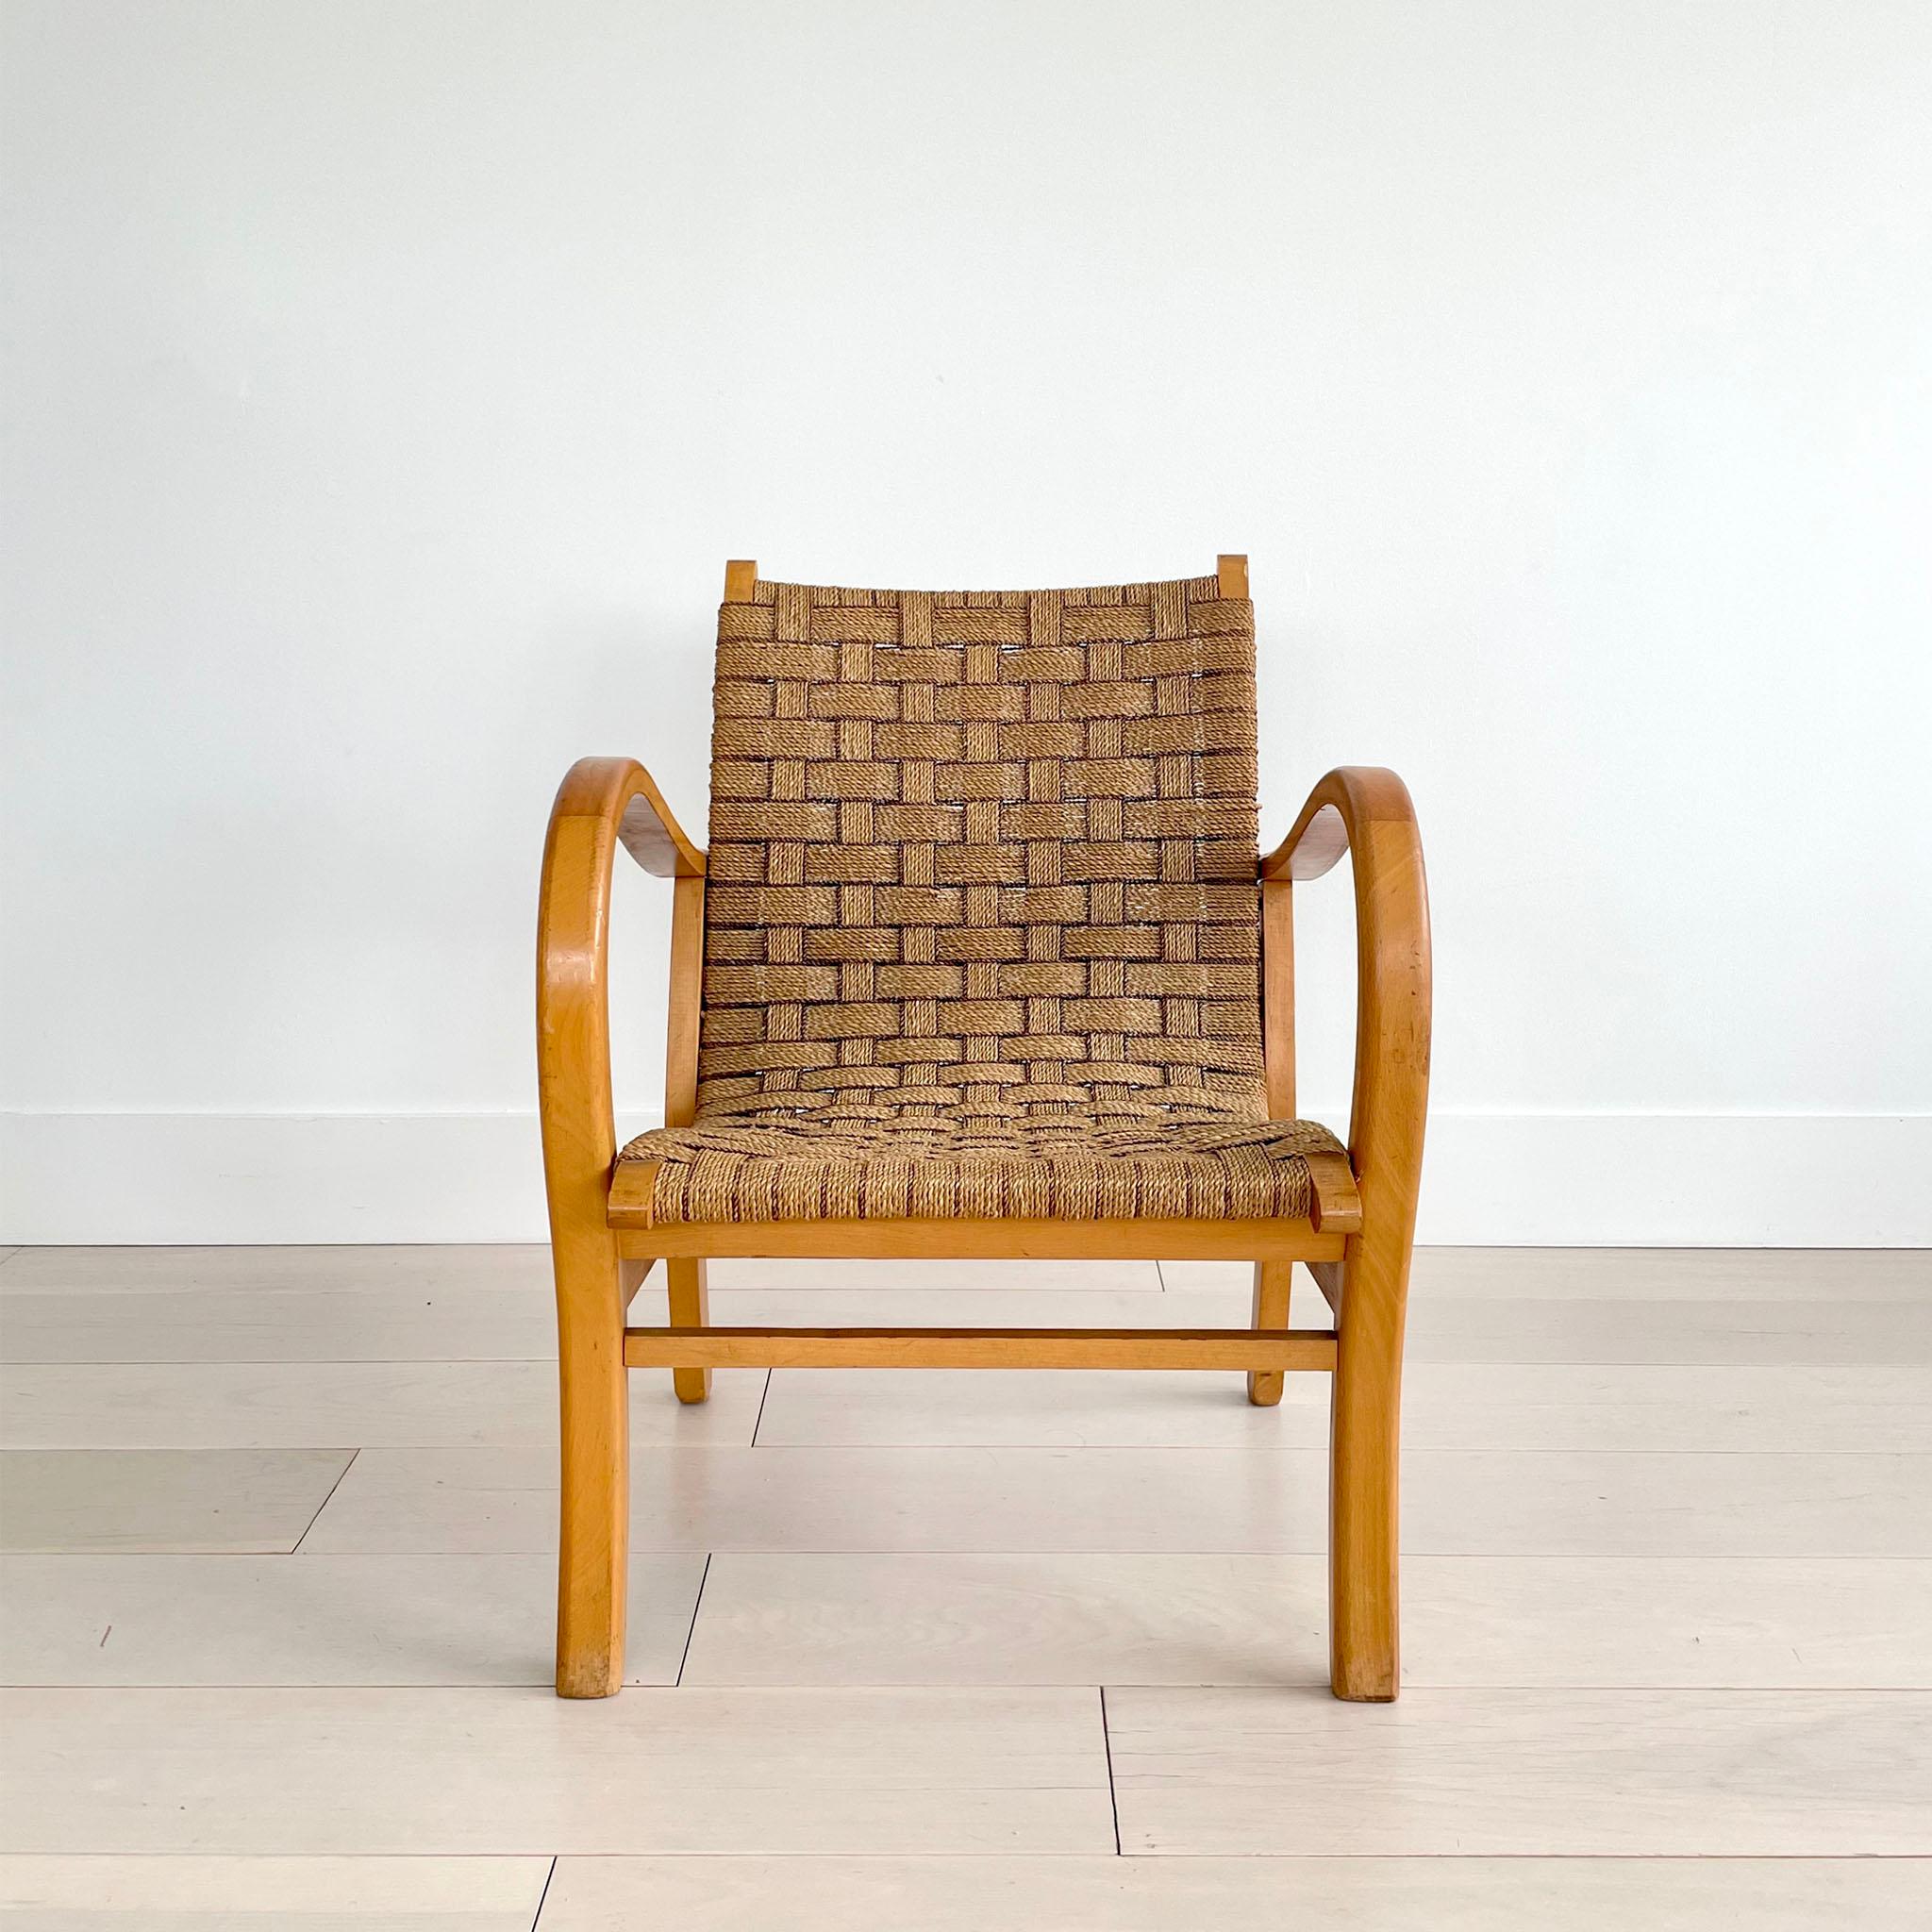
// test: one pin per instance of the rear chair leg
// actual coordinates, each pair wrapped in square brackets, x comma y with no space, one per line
[595,1523]
[691,1307]
[1271,1279]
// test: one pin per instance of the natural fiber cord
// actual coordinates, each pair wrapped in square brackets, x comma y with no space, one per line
[982,922]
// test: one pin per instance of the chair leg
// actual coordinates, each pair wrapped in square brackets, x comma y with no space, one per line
[691,1307]
[595,1525]
[1271,1279]
[1365,1439]
[1363,1560]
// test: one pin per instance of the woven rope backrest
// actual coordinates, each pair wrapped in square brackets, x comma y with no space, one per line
[983,856]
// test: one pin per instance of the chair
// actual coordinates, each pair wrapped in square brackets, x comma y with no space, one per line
[981,962]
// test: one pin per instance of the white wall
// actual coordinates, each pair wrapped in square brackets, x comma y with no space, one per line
[387,384]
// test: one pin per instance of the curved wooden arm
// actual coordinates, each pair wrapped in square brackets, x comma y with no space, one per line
[646,828]
[602,803]
[1366,811]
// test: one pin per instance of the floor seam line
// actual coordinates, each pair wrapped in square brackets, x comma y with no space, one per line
[697,1603]
[544,1893]
[326,1501]
[1113,1797]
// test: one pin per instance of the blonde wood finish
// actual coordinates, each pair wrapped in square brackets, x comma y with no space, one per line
[980,1348]
[1327,1278]
[415,1772]
[1372,810]
[681,1022]
[1271,1279]
[685,1276]
[1201,1771]
[1313,848]
[114,1502]
[1277,997]
[1115,1894]
[653,837]
[1127,1496]
[177,1890]
[982,1241]
[593,805]
[741,580]
[1232,569]
[1338,1208]
[690,1307]
[631,1271]
[1092,1617]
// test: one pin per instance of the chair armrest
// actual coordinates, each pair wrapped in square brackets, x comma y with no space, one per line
[1366,810]
[594,788]
[602,804]
[1349,797]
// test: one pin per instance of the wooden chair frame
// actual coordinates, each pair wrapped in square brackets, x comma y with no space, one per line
[1356,1242]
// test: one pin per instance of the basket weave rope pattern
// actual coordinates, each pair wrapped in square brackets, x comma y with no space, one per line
[982,923]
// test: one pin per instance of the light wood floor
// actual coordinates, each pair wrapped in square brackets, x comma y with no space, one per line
[968,1650]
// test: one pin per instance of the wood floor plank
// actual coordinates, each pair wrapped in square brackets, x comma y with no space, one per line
[304,1621]
[457,1322]
[472,1771]
[1471,1328]
[211,1500]
[1699,1622]
[190,1895]
[400,1270]
[1445,1406]
[1456,1502]
[1141,1894]
[1672,1274]
[310,1404]
[1588,1773]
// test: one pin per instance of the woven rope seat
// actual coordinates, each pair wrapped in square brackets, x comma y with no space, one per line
[981,914]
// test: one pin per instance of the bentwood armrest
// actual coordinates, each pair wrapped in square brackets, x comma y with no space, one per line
[1366,810]
[1339,812]
[602,804]
[621,793]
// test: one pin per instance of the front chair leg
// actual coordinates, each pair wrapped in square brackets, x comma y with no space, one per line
[1364,1437]
[593,1552]
[1271,1279]
[691,1307]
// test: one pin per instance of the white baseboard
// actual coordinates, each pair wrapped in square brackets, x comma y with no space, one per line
[1744,1180]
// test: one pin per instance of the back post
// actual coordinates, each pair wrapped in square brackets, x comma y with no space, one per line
[1272,1279]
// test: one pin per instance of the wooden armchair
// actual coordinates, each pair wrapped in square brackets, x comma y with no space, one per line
[981,962]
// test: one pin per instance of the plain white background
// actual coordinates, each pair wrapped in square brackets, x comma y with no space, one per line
[387,384]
